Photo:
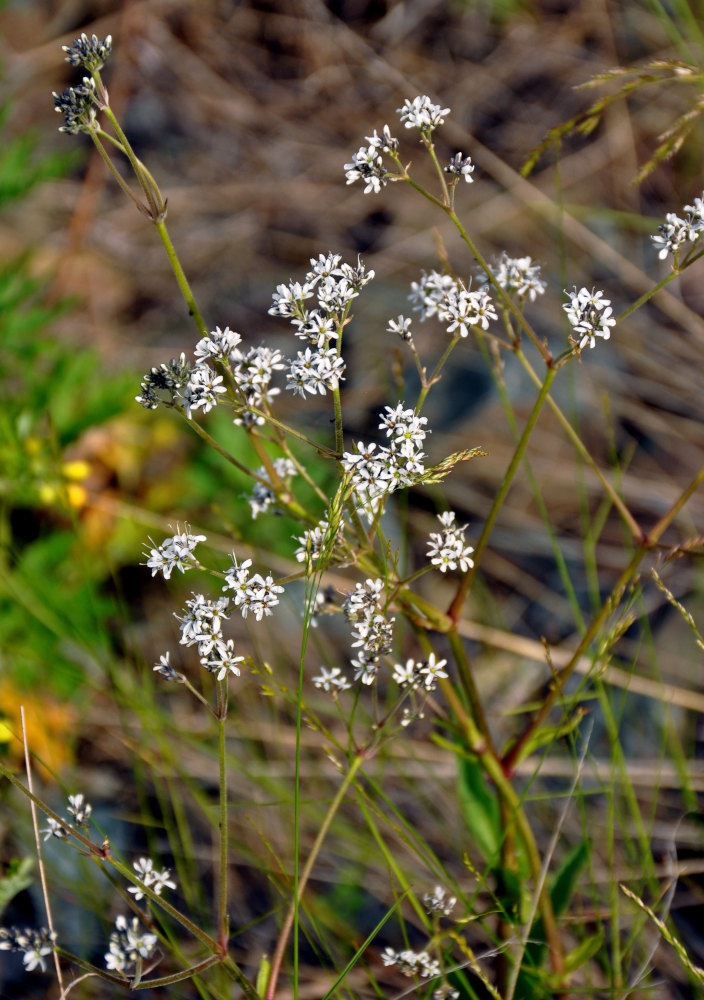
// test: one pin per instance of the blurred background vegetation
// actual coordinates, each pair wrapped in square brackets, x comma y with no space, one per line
[246,113]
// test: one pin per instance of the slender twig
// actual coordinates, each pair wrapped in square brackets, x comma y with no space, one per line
[38,844]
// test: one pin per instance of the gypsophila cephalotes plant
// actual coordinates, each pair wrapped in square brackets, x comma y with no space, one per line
[389,670]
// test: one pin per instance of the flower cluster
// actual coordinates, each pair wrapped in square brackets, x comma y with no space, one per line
[590,314]
[201,626]
[334,284]
[446,548]
[422,113]
[201,622]
[412,963]
[251,594]
[439,901]
[331,680]
[169,377]
[459,167]
[372,631]
[367,164]
[174,553]
[518,276]
[78,106]
[376,471]
[444,296]
[402,327]
[253,371]
[675,231]
[263,496]
[317,542]
[90,53]
[197,386]
[421,674]
[35,945]
[157,881]
[128,943]
[79,809]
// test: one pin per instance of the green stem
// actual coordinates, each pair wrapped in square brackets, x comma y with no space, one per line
[496,772]
[470,688]
[113,169]
[305,874]
[223,928]
[181,279]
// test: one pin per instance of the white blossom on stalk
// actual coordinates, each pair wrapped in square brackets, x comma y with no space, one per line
[315,372]
[518,276]
[422,113]
[385,142]
[412,963]
[331,680]
[676,231]
[446,548]
[460,166]
[35,945]
[590,314]
[431,671]
[218,345]
[401,326]
[428,294]
[263,496]
[153,879]
[439,901]
[367,165]
[202,389]
[316,542]
[175,552]
[128,943]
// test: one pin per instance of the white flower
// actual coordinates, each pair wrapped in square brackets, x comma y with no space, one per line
[431,671]
[331,680]
[447,549]
[407,675]
[127,943]
[202,389]
[439,901]
[676,231]
[367,165]
[421,113]
[385,142]
[218,345]
[144,869]
[164,668]
[517,276]
[460,166]
[221,659]
[174,553]
[590,314]
[54,829]
[80,809]
[315,371]
[401,326]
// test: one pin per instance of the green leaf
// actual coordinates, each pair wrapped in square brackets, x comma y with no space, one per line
[15,880]
[561,892]
[583,952]
[480,809]
[565,880]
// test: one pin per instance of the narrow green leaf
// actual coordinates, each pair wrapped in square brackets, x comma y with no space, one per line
[480,809]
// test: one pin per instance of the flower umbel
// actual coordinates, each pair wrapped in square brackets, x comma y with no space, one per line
[35,945]
[590,314]
[90,53]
